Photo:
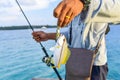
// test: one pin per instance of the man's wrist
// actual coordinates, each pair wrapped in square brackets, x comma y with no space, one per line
[51,36]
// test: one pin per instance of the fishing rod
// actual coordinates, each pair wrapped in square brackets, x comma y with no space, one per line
[46,59]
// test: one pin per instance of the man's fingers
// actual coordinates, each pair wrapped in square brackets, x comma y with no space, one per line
[71,18]
[58,9]
[38,39]
[63,15]
[67,18]
[35,33]
[39,36]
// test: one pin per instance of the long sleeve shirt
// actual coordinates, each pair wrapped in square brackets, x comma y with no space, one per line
[89,27]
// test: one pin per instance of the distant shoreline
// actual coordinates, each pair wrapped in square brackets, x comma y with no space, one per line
[26,27]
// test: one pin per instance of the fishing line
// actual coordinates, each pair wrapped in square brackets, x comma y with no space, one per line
[43,48]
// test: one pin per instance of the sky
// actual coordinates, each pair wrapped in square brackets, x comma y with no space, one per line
[39,12]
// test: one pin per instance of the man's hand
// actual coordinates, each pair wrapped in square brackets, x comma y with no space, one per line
[67,10]
[43,36]
[40,36]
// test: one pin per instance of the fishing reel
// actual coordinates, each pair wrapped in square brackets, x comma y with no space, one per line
[47,60]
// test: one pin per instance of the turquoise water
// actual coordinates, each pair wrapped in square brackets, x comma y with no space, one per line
[20,55]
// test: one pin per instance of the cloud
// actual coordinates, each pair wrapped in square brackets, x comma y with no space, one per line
[9,10]
[8,18]
[26,4]
[10,6]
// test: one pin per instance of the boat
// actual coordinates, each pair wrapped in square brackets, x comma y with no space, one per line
[44,79]
[43,27]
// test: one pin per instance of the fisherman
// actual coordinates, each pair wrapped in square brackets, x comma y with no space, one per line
[89,20]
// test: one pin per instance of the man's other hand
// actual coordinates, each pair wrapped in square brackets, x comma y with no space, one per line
[67,10]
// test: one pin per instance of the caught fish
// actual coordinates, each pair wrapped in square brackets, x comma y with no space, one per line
[61,51]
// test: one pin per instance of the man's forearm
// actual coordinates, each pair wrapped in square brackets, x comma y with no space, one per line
[51,36]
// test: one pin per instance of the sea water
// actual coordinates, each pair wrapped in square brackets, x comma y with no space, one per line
[21,57]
